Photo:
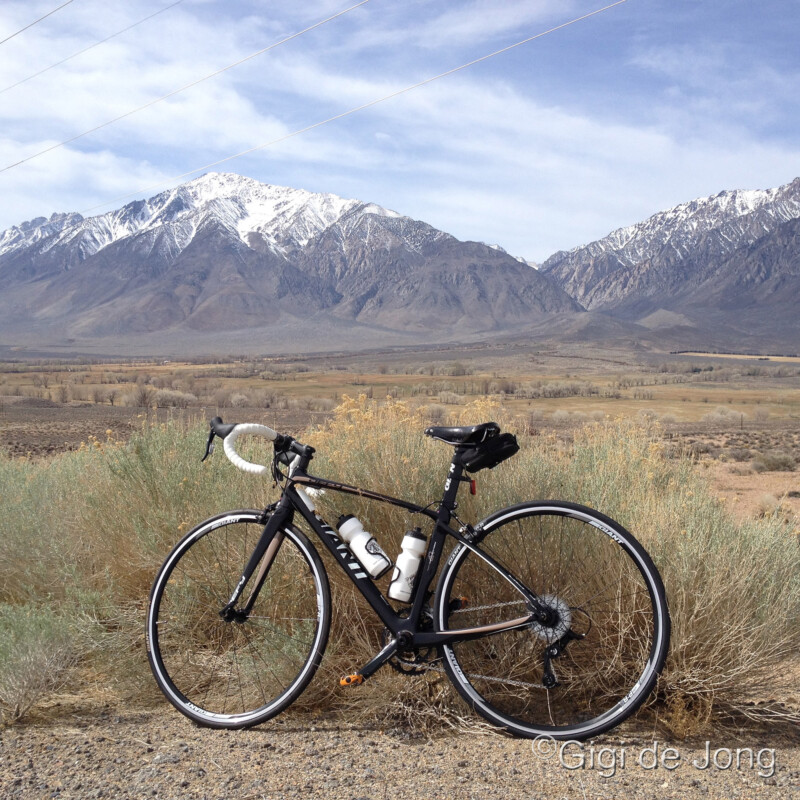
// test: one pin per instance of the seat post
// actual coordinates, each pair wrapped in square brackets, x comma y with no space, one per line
[451,484]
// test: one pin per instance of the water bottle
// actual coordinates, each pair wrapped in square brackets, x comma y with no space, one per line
[413,548]
[363,546]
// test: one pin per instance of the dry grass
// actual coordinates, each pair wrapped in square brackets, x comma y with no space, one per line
[82,535]
[733,589]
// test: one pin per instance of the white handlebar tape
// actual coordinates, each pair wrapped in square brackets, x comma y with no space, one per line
[229,442]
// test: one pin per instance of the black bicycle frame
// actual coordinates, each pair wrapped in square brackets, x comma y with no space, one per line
[404,628]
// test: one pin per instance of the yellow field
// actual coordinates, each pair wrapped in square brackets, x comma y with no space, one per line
[683,388]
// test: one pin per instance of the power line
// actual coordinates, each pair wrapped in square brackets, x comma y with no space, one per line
[90,47]
[183,88]
[30,25]
[356,109]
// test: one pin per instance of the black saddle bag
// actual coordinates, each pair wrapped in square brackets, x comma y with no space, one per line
[489,453]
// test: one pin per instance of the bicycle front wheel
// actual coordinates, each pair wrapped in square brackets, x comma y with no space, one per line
[233,674]
[608,621]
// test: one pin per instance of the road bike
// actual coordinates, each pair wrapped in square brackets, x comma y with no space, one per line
[548,617]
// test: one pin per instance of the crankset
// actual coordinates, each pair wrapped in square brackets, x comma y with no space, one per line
[416,660]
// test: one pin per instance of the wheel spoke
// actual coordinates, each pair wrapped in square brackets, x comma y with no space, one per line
[230,674]
[601,588]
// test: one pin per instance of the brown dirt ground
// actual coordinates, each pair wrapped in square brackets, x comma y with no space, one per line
[156,753]
[40,428]
[752,495]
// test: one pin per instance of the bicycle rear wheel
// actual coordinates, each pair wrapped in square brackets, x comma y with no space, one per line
[233,674]
[608,619]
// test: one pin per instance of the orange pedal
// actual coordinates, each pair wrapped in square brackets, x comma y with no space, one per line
[352,680]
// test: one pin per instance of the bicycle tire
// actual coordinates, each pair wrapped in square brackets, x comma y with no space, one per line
[236,674]
[599,583]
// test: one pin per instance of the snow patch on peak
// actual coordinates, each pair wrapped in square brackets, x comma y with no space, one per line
[374,208]
[678,227]
[282,217]
[517,258]
[36,230]
[285,218]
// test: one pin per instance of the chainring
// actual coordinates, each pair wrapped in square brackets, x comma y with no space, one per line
[415,661]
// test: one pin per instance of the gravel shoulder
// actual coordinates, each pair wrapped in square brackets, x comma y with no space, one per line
[156,753]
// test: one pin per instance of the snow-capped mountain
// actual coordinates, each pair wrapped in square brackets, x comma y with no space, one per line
[228,263]
[284,218]
[227,253]
[673,252]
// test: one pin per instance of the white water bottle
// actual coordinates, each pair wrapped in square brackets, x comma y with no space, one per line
[405,571]
[363,546]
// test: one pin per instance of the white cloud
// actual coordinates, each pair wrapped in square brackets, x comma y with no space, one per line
[80,179]
[496,159]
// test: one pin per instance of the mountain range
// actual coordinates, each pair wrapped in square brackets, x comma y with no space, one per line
[225,261]
[227,264]
[727,263]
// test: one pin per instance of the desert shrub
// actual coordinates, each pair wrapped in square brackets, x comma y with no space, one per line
[535,417]
[768,505]
[120,509]
[319,404]
[539,389]
[36,655]
[435,413]
[282,402]
[734,590]
[774,461]
[140,397]
[723,416]
[740,453]
[744,469]
[222,398]
[171,398]
[699,449]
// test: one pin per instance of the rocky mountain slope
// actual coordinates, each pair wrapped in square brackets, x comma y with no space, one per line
[731,259]
[227,264]
[227,253]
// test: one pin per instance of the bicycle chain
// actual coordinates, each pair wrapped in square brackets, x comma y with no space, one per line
[429,667]
[487,678]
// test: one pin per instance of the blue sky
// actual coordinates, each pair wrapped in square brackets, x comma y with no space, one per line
[545,147]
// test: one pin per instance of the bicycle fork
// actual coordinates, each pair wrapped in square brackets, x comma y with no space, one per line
[264,552]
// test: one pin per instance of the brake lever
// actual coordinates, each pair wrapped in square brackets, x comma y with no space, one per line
[209,446]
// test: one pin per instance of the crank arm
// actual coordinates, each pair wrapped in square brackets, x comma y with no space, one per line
[372,666]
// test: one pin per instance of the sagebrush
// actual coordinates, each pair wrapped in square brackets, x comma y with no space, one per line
[82,535]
